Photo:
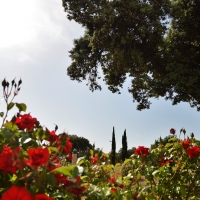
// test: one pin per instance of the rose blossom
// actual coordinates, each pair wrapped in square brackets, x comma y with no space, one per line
[186,144]
[52,136]
[16,193]
[193,151]
[42,197]
[25,121]
[8,160]
[172,131]
[113,189]
[37,157]
[94,160]
[112,180]
[64,143]
[163,161]
[142,151]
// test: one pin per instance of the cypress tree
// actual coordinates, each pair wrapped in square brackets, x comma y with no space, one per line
[113,151]
[124,146]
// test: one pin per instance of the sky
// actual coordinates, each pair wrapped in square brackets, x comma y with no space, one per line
[35,37]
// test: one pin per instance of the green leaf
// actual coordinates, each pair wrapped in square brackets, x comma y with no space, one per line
[11,126]
[81,160]
[10,105]
[7,133]
[168,145]
[21,106]
[91,152]
[127,161]
[24,134]
[173,139]
[182,190]
[13,178]
[41,134]
[53,149]
[1,114]
[71,171]
[155,172]
[23,139]
[51,180]
[106,191]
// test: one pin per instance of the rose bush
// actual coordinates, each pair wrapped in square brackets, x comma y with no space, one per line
[35,165]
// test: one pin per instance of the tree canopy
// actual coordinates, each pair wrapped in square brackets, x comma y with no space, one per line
[154,42]
[81,144]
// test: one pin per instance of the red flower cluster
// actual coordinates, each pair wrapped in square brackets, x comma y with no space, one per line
[25,122]
[142,151]
[163,161]
[37,157]
[64,143]
[94,160]
[15,193]
[52,136]
[76,189]
[193,151]
[112,180]
[186,144]
[8,160]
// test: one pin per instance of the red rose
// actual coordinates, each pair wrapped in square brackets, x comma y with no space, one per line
[94,160]
[142,151]
[52,136]
[172,131]
[8,160]
[121,185]
[186,144]
[113,189]
[25,122]
[15,193]
[75,187]
[112,180]
[42,197]
[64,144]
[69,156]
[103,158]
[163,161]
[37,157]
[193,151]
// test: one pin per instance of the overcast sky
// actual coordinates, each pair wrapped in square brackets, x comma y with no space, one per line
[35,37]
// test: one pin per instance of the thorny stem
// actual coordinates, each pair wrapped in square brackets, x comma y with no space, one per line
[6,100]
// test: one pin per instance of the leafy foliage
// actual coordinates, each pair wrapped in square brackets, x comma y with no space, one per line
[33,169]
[133,38]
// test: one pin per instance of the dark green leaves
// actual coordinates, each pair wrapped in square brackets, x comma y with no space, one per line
[1,114]
[21,107]
[132,38]
[10,105]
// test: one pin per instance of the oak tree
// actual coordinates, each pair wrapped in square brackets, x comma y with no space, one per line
[154,42]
